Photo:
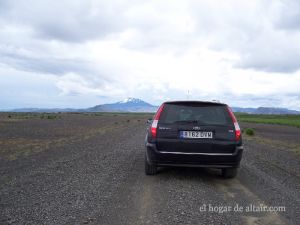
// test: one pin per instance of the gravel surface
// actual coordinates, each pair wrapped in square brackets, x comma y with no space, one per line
[89,169]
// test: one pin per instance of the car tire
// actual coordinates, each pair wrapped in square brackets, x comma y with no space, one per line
[229,172]
[150,169]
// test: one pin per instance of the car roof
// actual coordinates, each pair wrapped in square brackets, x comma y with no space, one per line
[196,102]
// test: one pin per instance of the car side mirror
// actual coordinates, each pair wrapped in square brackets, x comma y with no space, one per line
[149,121]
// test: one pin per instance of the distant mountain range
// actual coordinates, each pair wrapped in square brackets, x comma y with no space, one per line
[138,105]
[265,110]
[127,105]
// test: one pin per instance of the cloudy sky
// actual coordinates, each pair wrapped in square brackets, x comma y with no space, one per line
[71,53]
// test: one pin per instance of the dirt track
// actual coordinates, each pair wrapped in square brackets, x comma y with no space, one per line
[84,169]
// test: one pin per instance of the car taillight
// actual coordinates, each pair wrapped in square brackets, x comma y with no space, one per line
[236,125]
[155,121]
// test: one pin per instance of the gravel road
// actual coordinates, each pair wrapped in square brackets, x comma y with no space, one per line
[88,169]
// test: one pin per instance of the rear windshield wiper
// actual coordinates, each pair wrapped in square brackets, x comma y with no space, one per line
[186,121]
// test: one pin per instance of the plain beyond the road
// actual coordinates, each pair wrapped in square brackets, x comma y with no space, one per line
[89,169]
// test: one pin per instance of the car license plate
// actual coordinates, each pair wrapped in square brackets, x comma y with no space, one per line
[196,134]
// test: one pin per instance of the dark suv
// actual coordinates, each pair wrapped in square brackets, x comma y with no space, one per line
[194,134]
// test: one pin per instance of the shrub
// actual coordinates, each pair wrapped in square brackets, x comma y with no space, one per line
[249,131]
[51,117]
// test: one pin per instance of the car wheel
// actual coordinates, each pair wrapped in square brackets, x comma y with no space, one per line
[229,172]
[150,169]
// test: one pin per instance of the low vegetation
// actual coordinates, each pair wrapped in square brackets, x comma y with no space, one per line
[290,120]
[23,116]
[249,131]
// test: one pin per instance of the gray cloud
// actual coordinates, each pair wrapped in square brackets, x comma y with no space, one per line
[251,30]
[289,16]
[46,65]
[116,48]
[70,21]
[254,31]
[274,60]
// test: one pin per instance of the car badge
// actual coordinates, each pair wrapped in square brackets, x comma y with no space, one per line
[196,128]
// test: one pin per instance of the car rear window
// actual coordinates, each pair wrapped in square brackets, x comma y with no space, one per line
[197,113]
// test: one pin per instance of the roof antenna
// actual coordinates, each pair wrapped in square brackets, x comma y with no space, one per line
[188,95]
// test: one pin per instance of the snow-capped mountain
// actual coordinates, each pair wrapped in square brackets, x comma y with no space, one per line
[133,100]
[127,105]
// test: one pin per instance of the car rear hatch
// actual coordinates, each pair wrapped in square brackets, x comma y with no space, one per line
[196,127]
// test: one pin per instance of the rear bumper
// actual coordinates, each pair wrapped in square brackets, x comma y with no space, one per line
[213,160]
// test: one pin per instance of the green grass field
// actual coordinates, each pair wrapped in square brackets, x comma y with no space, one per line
[290,120]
